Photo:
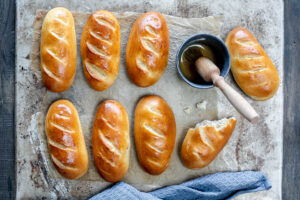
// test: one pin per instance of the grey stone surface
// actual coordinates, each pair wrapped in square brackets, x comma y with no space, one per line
[251,147]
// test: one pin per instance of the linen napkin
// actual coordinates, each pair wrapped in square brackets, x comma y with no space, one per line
[211,187]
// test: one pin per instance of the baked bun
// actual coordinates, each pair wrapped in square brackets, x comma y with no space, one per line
[58,50]
[65,140]
[147,49]
[100,49]
[202,144]
[251,67]
[111,142]
[155,133]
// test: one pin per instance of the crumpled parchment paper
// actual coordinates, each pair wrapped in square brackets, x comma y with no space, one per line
[171,87]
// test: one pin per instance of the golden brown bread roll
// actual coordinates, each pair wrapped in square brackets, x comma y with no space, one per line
[202,144]
[58,50]
[147,49]
[111,142]
[155,133]
[251,67]
[65,140]
[100,49]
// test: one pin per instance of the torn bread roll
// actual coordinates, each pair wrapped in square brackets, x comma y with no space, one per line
[65,140]
[58,50]
[100,49]
[155,133]
[111,142]
[251,67]
[202,144]
[147,49]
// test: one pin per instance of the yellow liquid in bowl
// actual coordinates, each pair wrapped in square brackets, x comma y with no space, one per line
[188,58]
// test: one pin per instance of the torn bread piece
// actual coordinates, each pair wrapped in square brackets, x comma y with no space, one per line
[202,144]
[187,110]
[201,105]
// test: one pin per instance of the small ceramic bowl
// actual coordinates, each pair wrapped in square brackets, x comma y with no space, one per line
[217,45]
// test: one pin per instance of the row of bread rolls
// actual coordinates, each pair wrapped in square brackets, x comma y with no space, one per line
[146,53]
[154,133]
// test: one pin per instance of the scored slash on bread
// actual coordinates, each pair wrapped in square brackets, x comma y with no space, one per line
[111,142]
[147,49]
[65,140]
[202,144]
[251,67]
[155,133]
[100,49]
[58,50]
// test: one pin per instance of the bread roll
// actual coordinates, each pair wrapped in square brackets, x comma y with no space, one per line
[147,49]
[111,142]
[58,50]
[65,140]
[251,67]
[155,133]
[100,49]
[202,144]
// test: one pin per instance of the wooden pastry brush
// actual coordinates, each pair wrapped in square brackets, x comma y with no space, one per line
[210,72]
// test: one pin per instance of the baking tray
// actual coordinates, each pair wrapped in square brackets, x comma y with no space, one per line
[251,147]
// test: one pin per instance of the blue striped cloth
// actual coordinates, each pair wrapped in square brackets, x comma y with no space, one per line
[211,187]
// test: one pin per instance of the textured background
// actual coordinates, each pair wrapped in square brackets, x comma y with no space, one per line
[291,147]
[265,20]
[7,99]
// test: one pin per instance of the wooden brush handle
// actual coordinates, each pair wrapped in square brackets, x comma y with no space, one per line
[240,104]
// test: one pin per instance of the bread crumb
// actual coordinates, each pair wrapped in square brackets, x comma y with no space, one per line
[201,105]
[187,110]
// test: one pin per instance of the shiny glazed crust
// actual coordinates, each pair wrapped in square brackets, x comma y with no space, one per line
[100,49]
[202,144]
[155,133]
[58,50]
[147,49]
[65,140]
[251,67]
[111,142]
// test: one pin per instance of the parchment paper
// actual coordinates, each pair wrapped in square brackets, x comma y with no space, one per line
[171,87]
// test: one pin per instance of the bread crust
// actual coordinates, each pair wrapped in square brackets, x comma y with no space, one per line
[100,49]
[111,140]
[155,133]
[202,144]
[251,67]
[147,49]
[58,50]
[65,140]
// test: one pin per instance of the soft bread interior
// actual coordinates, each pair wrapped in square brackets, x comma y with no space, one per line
[203,143]
[218,124]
